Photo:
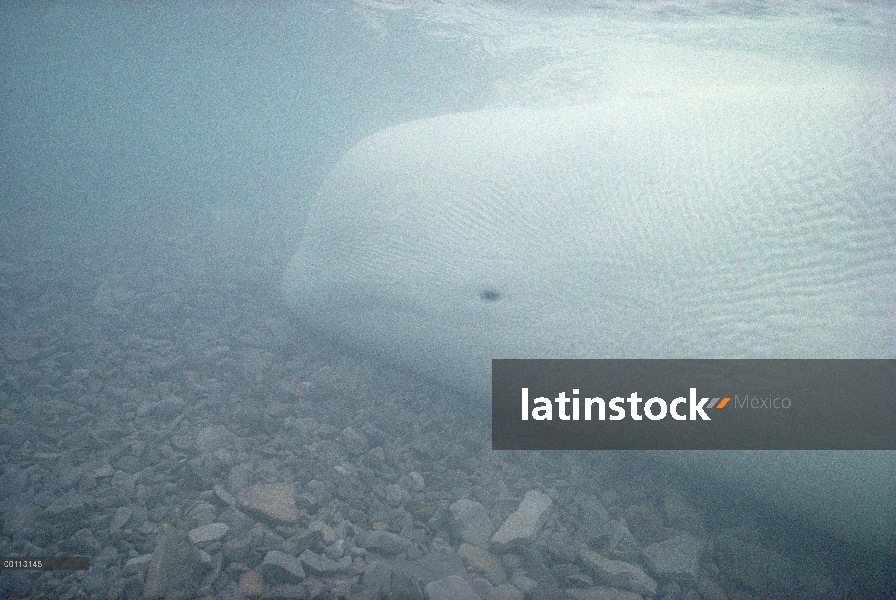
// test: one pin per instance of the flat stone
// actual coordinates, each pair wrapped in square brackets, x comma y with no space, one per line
[523,525]
[223,495]
[471,523]
[676,557]
[175,570]
[208,533]
[274,501]
[280,567]
[317,563]
[451,588]
[617,573]
[483,561]
[138,562]
[384,541]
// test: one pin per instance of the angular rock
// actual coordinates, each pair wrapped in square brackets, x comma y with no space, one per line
[471,523]
[251,583]
[377,577]
[121,518]
[208,533]
[384,541]
[273,501]
[404,587]
[451,588]
[676,557]
[317,563]
[483,561]
[617,573]
[280,567]
[431,567]
[523,525]
[175,570]
[138,562]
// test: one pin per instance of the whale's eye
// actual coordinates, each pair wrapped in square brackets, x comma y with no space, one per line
[490,295]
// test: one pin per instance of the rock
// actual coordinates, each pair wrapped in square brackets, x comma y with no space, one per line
[404,587]
[505,591]
[384,541]
[202,514]
[416,482]
[317,563]
[223,496]
[82,542]
[138,562]
[251,583]
[451,588]
[104,471]
[175,570]
[70,510]
[120,518]
[273,501]
[523,583]
[208,533]
[482,587]
[377,577]
[603,593]
[523,525]
[279,567]
[617,573]
[431,567]
[483,561]
[304,539]
[676,557]
[353,441]
[710,590]
[470,523]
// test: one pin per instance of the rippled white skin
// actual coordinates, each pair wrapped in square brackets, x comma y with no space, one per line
[722,224]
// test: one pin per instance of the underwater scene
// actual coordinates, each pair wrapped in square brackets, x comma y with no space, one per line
[256,260]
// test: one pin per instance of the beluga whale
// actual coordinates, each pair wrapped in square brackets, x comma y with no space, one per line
[738,221]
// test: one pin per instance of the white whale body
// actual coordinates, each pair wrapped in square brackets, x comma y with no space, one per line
[748,223]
